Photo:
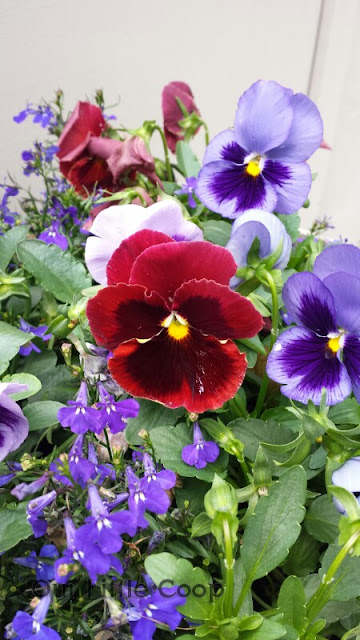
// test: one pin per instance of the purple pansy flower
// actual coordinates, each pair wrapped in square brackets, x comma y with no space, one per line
[79,416]
[14,427]
[35,513]
[53,235]
[188,189]
[114,414]
[261,163]
[44,570]
[40,332]
[323,352]
[31,627]
[347,477]
[23,489]
[201,452]
[268,229]
[113,225]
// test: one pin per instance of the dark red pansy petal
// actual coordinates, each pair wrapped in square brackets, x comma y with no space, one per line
[198,372]
[86,173]
[119,313]
[86,120]
[165,268]
[216,310]
[122,260]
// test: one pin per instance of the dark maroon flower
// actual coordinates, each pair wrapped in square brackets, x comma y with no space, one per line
[172,112]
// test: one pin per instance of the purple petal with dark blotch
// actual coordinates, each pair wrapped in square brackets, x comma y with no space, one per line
[293,192]
[339,257]
[345,290]
[14,427]
[303,364]
[224,147]
[310,303]
[351,359]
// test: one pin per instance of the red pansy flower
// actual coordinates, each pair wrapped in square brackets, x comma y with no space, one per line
[172,112]
[170,318]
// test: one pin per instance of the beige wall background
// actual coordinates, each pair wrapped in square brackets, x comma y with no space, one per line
[131,49]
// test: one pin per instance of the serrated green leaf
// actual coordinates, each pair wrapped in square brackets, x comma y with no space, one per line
[346,582]
[9,242]
[217,231]
[187,161]
[42,415]
[13,526]
[33,385]
[11,339]
[150,416]
[291,602]
[321,520]
[56,270]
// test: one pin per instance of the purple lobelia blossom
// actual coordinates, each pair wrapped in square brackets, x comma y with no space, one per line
[201,452]
[188,189]
[42,114]
[31,627]
[101,471]
[261,163]
[113,225]
[323,352]
[114,414]
[271,234]
[39,332]
[347,477]
[35,513]
[144,610]
[79,416]
[44,570]
[14,427]
[163,479]
[23,489]
[80,468]
[53,235]
[60,469]
[145,495]
[5,479]
[7,215]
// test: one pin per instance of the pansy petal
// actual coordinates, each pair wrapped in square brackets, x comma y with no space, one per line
[215,310]
[122,312]
[301,362]
[264,117]
[240,243]
[122,260]
[164,268]
[224,147]
[292,182]
[198,373]
[345,290]
[351,358]
[306,132]
[310,303]
[166,216]
[226,188]
[338,257]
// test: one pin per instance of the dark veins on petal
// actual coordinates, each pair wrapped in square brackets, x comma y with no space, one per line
[234,183]
[276,172]
[316,315]
[233,152]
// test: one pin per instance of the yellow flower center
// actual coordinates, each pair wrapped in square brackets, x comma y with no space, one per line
[253,168]
[334,344]
[177,327]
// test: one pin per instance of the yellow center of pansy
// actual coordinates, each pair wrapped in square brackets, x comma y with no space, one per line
[177,327]
[253,168]
[334,344]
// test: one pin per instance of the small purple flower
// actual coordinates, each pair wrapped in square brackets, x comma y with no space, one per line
[261,163]
[323,351]
[14,427]
[165,479]
[145,495]
[40,332]
[23,489]
[8,216]
[114,414]
[188,189]
[44,570]
[31,627]
[79,416]
[5,479]
[35,512]
[347,477]
[42,114]
[101,471]
[60,470]
[53,235]
[201,452]
[80,468]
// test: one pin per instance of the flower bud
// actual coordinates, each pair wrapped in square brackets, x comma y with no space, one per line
[221,498]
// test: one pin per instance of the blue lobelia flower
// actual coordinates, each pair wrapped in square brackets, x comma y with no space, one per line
[323,352]
[35,513]
[347,477]
[201,452]
[271,234]
[31,627]
[24,489]
[79,416]
[60,469]
[8,216]
[114,414]
[53,235]
[145,495]
[80,468]
[261,163]
[39,332]
[163,479]
[42,114]
[188,189]
[101,471]
[44,570]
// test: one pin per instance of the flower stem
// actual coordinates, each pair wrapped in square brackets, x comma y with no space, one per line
[229,571]
[274,332]
[166,153]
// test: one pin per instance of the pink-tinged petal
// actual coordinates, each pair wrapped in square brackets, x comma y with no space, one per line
[164,268]
[166,216]
[345,289]
[226,188]
[325,145]
[198,372]
[119,313]
[293,190]
[102,147]
[85,121]
[264,117]
[305,134]
[339,257]
[224,147]
[131,155]
[302,362]
[172,112]
[310,303]
[215,310]
[122,260]
[351,359]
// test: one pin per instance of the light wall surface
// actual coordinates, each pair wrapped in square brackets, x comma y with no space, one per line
[219,47]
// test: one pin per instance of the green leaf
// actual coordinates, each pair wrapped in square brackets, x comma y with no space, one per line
[187,161]
[251,432]
[9,242]
[13,526]
[151,415]
[11,339]
[239,581]
[201,525]
[56,270]
[291,602]
[217,231]
[57,382]
[275,525]
[192,492]
[346,582]
[347,412]
[168,443]
[268,630]
[291,224]
[303,557]
[322,519]
[166,570]
[33,385]
[42,415]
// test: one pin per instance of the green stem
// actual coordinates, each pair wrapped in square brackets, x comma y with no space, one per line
[274,332]
[229,571]
[207,135]
[166,153]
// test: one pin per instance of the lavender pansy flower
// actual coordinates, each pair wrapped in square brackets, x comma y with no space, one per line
[261,163]
[44,570]
[111,226]
[201,452]
[35,513]
[23,489]
[79,416]
[188,189]
[347,477]
[53,235]
[14,427]
[40,332]
[268,229]
[31,627]
[323,352]
[114,414]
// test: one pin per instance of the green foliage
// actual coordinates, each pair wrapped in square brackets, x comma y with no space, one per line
[322,520]
[217,231]
[33,385]
[11,339]
[42,415]
[9,242]
[13,526]
[151,415]
[187,161]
